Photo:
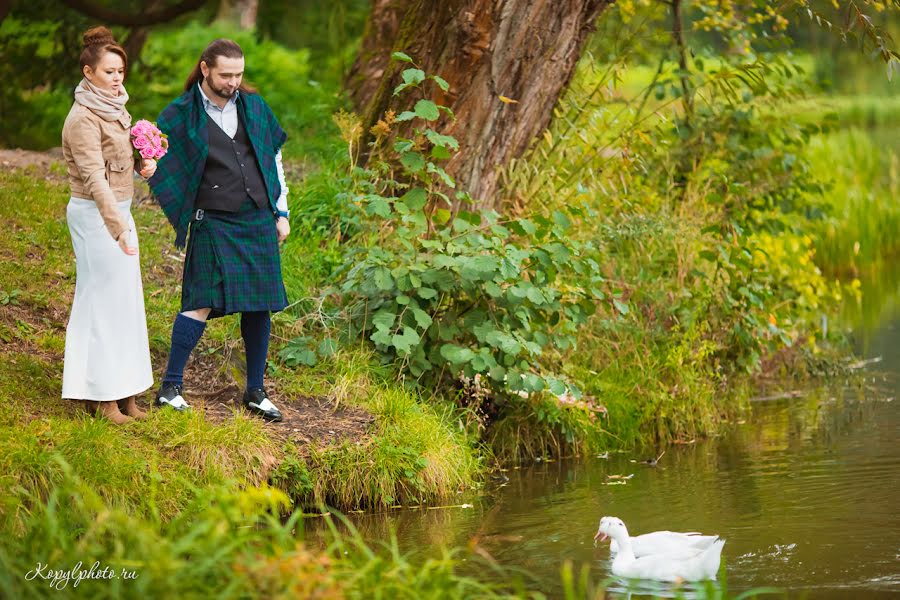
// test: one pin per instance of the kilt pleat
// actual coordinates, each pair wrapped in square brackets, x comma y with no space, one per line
[232,264]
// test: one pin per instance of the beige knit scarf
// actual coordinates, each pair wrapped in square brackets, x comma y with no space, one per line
[102,103]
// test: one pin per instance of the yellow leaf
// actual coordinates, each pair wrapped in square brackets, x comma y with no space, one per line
[506,100]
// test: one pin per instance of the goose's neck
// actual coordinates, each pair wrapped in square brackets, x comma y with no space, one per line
[625,550]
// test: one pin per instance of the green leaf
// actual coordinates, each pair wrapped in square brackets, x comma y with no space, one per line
[406,115]
[379,206]
[405,341]
[534,294]
[383,279]
[448,181]
[402,57]
[561,220]
[441,82]
[383,319]
[621,306]
[557,387]
[327,347]
[456,354]
[440,153]
[427,293]
[423,319]
[445,141]
[415,198]
[413,161]
[460,225]
[413,76]
[498,373]
[427,110]
[381,337]
[441,216]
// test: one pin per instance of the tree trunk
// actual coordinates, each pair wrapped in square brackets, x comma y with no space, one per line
[522,50]
[240,12]
[375,54]
[5,7]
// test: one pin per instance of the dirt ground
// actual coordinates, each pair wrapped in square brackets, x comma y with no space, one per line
[19,159]
[208,384]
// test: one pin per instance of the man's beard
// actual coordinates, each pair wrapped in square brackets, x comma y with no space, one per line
[221,93]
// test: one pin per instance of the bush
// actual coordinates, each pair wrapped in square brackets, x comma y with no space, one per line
[445,291]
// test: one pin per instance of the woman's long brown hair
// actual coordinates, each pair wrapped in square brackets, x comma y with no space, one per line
[220,47]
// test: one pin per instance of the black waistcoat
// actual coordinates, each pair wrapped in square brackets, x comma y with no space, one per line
[231,172]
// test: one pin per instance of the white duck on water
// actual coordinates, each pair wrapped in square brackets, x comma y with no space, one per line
[660,542]
[672,566]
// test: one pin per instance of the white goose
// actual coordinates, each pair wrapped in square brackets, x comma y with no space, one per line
[677,566]
[662,542]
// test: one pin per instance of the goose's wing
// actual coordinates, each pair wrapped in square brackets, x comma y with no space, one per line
[661,542]
[677,565]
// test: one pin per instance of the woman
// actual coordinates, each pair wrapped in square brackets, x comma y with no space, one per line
[107,359]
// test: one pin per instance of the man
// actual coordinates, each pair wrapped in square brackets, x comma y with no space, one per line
[223,181]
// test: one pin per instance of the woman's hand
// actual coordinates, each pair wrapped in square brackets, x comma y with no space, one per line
[283,227]
[148,168]
[122,240]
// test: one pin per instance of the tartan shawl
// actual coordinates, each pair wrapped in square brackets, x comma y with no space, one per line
[179,172]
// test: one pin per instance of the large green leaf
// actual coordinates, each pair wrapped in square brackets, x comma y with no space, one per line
[456,354]
[428,110]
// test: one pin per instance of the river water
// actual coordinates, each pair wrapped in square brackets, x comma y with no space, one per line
[804,490]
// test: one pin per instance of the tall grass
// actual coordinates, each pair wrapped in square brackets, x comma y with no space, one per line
[863,227]
[224,544]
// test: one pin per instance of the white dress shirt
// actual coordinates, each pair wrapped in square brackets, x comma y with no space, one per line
[227,119]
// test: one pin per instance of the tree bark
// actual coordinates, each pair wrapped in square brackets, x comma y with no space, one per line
[374,56]
[523,50]
[5,7]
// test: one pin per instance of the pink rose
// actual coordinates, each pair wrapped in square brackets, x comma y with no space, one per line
[147,152]
[160,153]
[140,142]
[140,128]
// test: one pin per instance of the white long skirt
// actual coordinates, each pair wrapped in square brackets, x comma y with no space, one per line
[107,350]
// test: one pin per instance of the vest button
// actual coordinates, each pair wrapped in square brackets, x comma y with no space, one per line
[248,189]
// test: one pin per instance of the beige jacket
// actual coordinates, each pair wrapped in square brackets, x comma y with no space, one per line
[100,163]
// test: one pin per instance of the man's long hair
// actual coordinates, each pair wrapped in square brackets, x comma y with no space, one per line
[221,47]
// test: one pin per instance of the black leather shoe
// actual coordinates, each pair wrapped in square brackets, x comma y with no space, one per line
[169,394]
[257,401]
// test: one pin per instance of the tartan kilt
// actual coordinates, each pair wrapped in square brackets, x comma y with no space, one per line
[232,264]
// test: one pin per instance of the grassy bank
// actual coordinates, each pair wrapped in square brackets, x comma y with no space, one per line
[344,414]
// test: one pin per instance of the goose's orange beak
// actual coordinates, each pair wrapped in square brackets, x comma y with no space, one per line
[599,533]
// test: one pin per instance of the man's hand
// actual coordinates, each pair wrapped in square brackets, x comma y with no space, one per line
[148,168]
[283,227]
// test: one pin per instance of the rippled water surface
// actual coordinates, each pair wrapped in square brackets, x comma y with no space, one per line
[805,491]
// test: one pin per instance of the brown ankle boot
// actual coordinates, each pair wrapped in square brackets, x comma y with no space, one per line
[110,410]
[129,407]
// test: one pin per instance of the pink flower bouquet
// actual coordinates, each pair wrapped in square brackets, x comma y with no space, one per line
[148,141]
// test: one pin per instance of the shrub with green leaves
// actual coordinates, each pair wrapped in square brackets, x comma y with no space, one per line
[447,291]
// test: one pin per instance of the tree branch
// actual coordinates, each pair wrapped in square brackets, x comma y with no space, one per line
[134,20]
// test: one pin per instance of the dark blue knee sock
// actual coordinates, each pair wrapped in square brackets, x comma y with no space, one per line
[186,332]
[255,329]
